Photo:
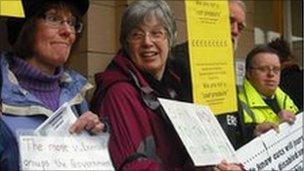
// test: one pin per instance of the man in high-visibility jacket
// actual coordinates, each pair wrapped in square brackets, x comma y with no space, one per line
[264,104]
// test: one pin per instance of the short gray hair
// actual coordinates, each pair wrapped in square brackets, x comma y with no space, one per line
[138,11]
[240,3]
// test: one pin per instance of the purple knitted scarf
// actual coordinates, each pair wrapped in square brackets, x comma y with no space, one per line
[44,87]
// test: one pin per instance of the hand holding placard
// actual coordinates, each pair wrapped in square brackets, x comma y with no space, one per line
[64,153]
[275,151]
[52,147]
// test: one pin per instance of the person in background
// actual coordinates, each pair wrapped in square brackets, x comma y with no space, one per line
[34,81]
[264,104]
[142,137]
[179,63]
[237,10]
[291,74]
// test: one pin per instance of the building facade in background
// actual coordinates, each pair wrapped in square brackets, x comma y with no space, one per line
[265,20]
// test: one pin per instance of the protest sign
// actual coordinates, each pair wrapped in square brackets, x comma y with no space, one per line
[58,123]
[275,151]
[207,144]
[200,132]
[64,153]
[211,55]
[52,147]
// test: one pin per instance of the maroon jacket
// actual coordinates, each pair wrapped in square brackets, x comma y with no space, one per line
[141,138]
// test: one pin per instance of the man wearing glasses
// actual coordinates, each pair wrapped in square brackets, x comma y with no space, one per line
[264,104]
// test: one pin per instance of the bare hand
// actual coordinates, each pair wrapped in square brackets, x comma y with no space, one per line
[88,121]
[264,127]
[224,166]
[286,116]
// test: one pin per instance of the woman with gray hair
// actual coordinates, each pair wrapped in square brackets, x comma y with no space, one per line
[142,137]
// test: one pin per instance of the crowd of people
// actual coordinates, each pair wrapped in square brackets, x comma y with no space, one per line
[35,83]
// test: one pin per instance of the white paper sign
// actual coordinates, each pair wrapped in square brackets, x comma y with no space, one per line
[58,123]
[200,132]
[64,153]
[276,151]
[254,155]
[52,147]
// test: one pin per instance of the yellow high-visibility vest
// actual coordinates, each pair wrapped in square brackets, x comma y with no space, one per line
[255,110]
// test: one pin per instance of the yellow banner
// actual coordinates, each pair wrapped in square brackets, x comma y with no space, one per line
[12,8]
[211,55]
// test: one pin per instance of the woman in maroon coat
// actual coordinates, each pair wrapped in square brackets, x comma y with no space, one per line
[142,137]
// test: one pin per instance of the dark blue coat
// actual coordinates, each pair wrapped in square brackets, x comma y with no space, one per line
[8,149]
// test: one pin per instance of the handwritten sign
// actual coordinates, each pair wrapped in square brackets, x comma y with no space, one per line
[11,8]
[276,151]
[64,153]
[211,55]
[200,132]
[52,147]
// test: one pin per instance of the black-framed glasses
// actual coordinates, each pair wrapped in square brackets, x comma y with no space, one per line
[267,69]
[56,21]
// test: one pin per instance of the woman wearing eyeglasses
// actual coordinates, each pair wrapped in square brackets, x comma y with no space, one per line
[34,80]
[142,137]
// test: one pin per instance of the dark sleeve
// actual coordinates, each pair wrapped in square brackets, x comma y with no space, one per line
[246,129]
[0,90]
[96,99]
[179,63]
[248,135]
[292,84]
[9,153]
[129,127]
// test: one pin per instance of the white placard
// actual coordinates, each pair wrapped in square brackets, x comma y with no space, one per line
[200,132]
[253,154]
[58,123]
[52,147]
[64,153]
[276,151]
